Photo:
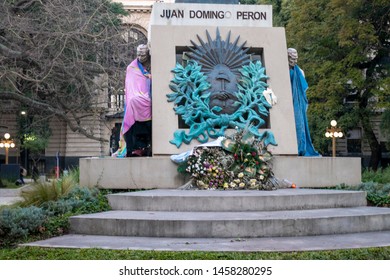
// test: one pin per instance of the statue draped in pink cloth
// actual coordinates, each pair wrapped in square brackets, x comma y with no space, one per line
[136,126]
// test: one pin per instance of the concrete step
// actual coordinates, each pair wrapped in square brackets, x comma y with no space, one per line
[251,224]
[266,244]
[241,200]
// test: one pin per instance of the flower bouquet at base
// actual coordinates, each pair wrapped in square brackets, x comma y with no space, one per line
[241,162]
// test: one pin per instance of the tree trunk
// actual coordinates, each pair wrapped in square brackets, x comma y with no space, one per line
[376,154]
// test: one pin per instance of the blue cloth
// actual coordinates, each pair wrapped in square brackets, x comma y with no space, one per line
[299,87]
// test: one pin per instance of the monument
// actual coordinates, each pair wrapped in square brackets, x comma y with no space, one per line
[207,78]
[212,48]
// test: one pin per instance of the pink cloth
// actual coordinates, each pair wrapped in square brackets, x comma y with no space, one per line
[138,106]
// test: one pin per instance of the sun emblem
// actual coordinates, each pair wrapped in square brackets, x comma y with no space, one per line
[219,87]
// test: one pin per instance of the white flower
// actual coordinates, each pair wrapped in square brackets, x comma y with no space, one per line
[270,96]
[241,185]
[240,175]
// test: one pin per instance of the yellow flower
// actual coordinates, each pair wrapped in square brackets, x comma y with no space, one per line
[240,175]
[225,185]
[201,184]
[241,185]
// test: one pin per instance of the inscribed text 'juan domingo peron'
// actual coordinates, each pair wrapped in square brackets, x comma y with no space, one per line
[213,14]
[219,15]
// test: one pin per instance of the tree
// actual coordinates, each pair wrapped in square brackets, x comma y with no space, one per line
[34,134]
[344,46]
[385,126]
[58,56]
[280,11]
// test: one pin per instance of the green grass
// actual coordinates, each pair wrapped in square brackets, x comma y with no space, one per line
[32,253]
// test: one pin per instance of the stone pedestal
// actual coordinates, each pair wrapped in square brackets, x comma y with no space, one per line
[161,172]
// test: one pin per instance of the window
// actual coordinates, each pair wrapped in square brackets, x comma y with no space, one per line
[354,141]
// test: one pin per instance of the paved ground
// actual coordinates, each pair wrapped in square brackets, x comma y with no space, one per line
[10,196]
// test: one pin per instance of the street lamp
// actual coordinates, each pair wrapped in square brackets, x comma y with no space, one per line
[333,132]
[7,143]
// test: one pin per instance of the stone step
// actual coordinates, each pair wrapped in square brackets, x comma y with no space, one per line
[240,200]
[266,244]
[247,224]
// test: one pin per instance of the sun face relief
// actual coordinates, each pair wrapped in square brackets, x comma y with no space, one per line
[221,61]
[223,89]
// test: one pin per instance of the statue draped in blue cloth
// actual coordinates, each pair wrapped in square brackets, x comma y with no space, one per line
[299,87]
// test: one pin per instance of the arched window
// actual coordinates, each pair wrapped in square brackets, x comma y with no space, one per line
[132,36]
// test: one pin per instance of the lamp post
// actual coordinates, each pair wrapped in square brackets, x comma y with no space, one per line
[333,132]
[7,143]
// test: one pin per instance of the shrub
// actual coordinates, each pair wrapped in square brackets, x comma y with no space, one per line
[20,222]
[52,217]
[377,186]
[42,192]
[78,201]
[377,194]
[380,176]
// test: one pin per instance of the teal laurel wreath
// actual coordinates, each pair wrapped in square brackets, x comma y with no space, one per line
[191,98]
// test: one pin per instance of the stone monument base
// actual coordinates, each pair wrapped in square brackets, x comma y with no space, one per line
[161,172]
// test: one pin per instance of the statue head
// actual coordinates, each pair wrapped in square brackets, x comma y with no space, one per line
[292,57]
[143,53]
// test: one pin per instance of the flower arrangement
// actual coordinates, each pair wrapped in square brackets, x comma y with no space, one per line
[207,166]
[241,162]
